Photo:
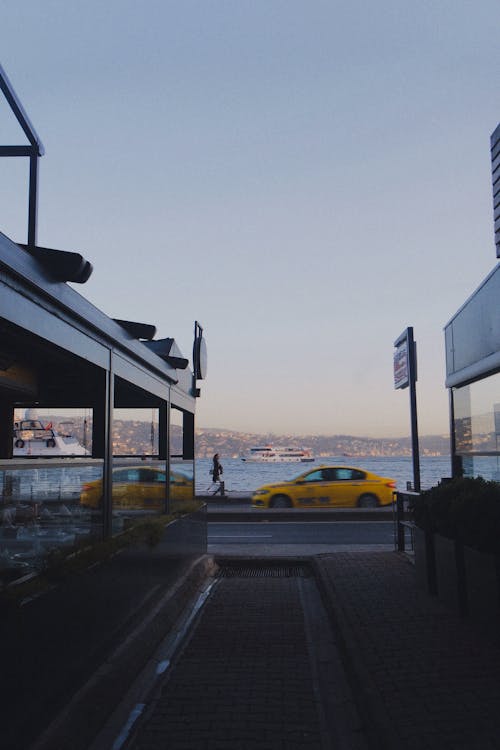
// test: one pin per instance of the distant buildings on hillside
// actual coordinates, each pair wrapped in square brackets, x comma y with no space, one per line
[234,444]
[131,437]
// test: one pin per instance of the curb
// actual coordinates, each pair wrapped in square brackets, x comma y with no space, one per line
[227,499]
[79,722]
[255,515]
[377,725]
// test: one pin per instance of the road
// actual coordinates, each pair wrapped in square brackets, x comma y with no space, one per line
[298,537]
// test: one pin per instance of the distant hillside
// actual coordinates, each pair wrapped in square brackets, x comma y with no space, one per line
[135,437]
[233,444]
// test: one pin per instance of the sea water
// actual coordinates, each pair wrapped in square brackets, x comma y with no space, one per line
[240,476]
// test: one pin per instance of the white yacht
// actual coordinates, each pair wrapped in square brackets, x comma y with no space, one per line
[34,438]
[277,454]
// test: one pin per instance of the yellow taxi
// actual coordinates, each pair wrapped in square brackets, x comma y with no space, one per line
[138,488]
[326,487]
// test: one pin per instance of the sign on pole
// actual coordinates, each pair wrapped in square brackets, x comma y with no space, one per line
[405,375]
[401,364]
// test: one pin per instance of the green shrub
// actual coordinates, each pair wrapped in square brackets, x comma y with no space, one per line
[466,509]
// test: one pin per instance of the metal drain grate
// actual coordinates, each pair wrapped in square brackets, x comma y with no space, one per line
[242,570]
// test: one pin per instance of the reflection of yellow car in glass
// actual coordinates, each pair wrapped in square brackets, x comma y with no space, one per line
[138,488]
[328,486]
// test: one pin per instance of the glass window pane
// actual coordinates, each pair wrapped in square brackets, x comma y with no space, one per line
[46,509]
[477,427]
[176,432]
[135,432]
[181,483]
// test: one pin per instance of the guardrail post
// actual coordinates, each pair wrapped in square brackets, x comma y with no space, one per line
[399,522]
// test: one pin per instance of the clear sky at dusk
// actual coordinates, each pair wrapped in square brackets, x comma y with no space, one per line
[306,179]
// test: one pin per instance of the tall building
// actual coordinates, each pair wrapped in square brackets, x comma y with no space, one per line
[472,339]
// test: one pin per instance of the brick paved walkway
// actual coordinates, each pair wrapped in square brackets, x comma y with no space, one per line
[244,680]
[247,678]
[430,680]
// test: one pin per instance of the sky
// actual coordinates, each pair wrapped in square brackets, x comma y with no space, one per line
[305,179]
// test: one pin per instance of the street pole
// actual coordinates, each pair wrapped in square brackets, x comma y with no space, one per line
[412,362]
[405,376]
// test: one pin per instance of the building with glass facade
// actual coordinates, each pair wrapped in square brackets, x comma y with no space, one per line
[96,416]
[472,339]
[88,412]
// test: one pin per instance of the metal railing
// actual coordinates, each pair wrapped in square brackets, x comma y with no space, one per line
[403,524]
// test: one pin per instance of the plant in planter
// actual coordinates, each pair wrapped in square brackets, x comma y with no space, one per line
[465,509]
[475,514]
[462,516]
[434,522]
[477,521]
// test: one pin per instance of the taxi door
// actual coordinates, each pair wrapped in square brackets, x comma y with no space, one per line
[125,487]
[312,490]
[153,489]
[345,488]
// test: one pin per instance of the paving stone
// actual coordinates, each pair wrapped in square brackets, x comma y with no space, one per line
[245,673]
[410,650]
[419,677]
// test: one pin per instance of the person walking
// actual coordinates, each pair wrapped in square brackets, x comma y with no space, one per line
[217,472]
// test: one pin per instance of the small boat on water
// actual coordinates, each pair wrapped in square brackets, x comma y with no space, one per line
[277,454]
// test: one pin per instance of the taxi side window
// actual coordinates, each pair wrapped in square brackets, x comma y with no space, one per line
[356,474]
[344,474]
[148,476]
[314,476]
[126,475]
[329,475]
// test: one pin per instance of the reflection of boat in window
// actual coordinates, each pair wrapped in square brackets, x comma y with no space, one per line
[278,454]
[33,431]
[34,438]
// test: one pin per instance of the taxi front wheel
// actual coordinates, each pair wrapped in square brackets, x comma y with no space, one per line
[368,501]
[280,501]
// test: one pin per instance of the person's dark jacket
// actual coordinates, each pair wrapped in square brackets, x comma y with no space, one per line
[217,470]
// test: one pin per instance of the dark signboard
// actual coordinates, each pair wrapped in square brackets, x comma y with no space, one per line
[401,365]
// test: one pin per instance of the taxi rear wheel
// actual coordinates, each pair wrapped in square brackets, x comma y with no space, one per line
[280,501]
[368,501]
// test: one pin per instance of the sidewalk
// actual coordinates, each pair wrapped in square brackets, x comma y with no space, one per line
[243,680]
[344,655]
[424,678]
[263,670]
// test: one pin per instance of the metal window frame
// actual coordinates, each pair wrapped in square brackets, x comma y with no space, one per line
[33,151]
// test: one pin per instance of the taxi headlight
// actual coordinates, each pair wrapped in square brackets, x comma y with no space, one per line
[261,492]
